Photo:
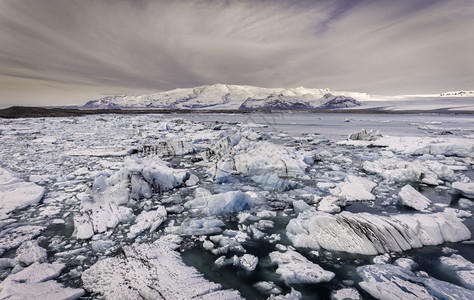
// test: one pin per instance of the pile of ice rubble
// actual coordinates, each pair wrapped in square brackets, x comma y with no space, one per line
[130,197]
[105,204]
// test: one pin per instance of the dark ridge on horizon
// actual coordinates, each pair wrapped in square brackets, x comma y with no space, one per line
[14,112]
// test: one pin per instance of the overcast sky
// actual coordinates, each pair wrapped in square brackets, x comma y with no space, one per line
[67,52]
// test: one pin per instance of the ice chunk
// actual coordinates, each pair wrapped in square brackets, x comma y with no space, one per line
[365,135]
[293,295]
[218,204]
[267,288]
[271,181]
[381,259]
[405,263]
[101,246]
[152,271]
[463,269]
[16,193]
[365,233]
[254,158]
[83,227]
[248,262]
[34,283]
[330,204]
[412,198]
[30,252]
[393,282]
[294,268]
[15,236]
[203,226]
[148,220]
[464,188]
[300,206]
[140,188]
[354,188]
[345,294]
[169,148]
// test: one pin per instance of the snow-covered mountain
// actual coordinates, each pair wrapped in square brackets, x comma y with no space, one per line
[222,96]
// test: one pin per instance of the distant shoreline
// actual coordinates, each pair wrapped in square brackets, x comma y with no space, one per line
[42,112]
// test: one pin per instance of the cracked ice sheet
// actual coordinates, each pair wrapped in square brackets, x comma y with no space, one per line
[154,271]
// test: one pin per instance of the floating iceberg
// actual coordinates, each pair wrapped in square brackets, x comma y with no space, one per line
[203,226]
[369,234]
[412,198]
[393,282]
[153,271]
[354,188]
[219,204]
[294,268]
[365,135]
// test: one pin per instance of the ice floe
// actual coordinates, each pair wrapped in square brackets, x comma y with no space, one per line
[153,271]
[35,282]
[16,193]
[15,236]
[365,233]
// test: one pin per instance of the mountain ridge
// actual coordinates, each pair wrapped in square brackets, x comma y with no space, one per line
[238,97]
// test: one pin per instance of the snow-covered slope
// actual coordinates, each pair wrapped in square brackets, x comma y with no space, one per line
[222,96]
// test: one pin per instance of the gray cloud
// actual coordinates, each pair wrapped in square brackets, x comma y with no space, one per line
[55,51]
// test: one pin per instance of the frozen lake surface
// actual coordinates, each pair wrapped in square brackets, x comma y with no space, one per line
[224,206]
